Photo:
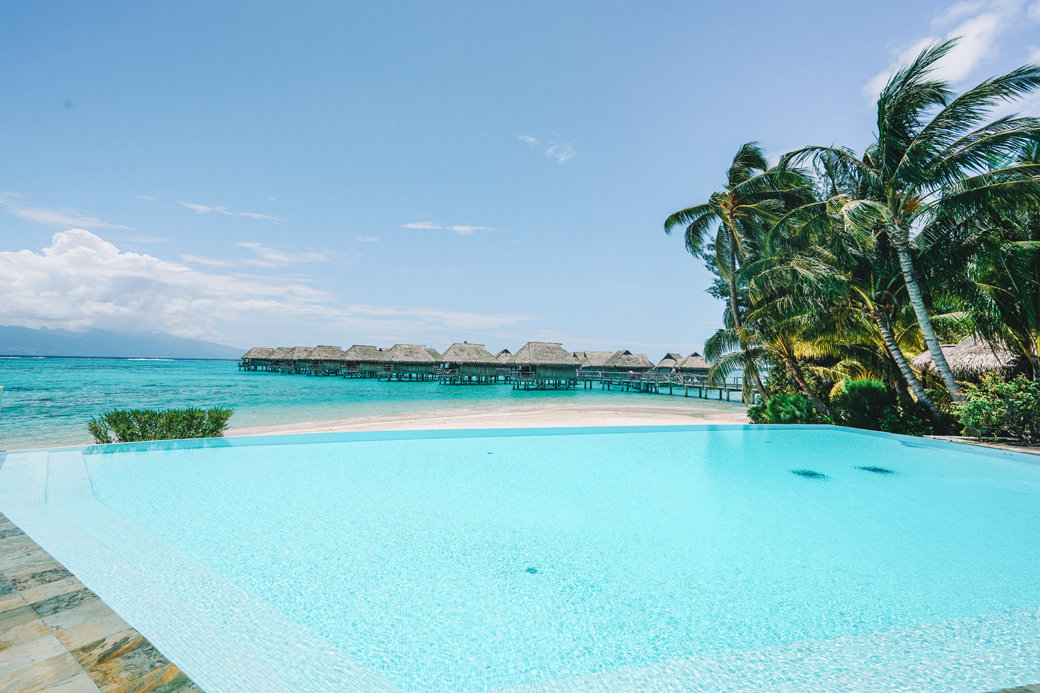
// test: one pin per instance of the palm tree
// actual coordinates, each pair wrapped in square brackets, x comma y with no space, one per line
[928,172]
[752,195]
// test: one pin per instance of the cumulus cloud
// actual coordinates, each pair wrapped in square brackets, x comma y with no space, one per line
[221,209]
[527,139]
[460,229]
[82,281]
[15,205]
[979,26]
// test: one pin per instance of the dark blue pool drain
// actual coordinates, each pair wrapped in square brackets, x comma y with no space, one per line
[532,571]
[877,470]
[809,474]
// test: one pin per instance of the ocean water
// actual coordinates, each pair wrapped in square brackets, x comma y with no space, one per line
[49,401]
[668,558]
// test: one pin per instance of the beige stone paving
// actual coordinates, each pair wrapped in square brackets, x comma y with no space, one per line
[56,636]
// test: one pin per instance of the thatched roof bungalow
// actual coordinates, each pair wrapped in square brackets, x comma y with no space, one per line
[363,359]
[435,354]
[325,359]
[593,360]
[545,364]
[669,363]
[255,358]
[972,358]
[694,363]
[625,361]
[465,362]
[279,357]
[504,356]
[410,362]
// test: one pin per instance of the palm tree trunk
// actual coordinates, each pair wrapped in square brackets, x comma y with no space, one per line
[913,291]
[796,372]
[756,379]
[880,319]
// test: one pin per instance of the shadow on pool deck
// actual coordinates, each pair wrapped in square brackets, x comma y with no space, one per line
[57,635]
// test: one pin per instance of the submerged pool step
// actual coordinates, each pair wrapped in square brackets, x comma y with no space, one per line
[168,596]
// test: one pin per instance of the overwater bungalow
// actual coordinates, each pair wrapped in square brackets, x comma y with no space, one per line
[297,358]
[593,360]
[466,363]
[278,359]
[363,361]
[972,358]
[624,361]
[504,356]
[669,363]
[325,360]
[434,353]
[255,358]
[694,364]
[544,365]
[410,362]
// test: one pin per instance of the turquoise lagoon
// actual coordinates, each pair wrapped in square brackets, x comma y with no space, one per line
[48,401]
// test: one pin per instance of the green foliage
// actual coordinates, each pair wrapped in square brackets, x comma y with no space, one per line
[911,419]
[127,426]
[862,404]
[997,408]
[786,409]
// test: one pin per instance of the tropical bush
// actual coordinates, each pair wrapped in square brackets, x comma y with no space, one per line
[998,408]
[128,426]
[786,409]
[863,404]
[912,419]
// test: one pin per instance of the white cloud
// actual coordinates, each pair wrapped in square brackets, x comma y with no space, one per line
[527,139]
[15,205]
[561,151]
[979,26]
[267,256]
[221,209]
[147,197]
[368,239]
[460,229]
[82,281]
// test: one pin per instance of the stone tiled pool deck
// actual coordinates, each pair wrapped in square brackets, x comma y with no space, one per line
[57,635]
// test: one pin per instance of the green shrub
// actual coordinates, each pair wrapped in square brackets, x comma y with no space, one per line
[128,426]
[912,419]
[997,408]
[862,404]
[787,409]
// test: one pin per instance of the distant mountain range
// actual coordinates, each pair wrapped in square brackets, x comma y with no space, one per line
[23,341]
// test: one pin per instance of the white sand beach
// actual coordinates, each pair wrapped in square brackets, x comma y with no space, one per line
[543,415]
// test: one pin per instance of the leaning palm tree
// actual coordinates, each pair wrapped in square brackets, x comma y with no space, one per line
[928,172]
[753,194]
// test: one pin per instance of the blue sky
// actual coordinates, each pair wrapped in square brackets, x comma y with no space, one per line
[332,172]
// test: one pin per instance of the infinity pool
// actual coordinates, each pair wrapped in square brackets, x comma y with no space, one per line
[691,558]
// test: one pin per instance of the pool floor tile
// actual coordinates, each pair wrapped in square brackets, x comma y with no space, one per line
[57,636]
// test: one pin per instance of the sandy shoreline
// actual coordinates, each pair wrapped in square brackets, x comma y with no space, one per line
[542,415]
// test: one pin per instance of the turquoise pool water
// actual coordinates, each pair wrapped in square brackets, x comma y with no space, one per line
[49,401]
[609,559]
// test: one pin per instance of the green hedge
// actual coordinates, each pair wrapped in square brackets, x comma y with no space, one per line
[996,408]
[129,426]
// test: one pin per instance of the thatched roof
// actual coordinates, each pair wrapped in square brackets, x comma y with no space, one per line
[364,353]
[694,362]
[469,354]
[299,353]
[279,354]
[323,352]
[972,358]
[504,356]
[624,359]
[544,354]
[593,359]
[409,353]
[670,360]
[258,353]
[434,353]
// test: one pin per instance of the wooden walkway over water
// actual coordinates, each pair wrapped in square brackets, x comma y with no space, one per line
[659,383]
